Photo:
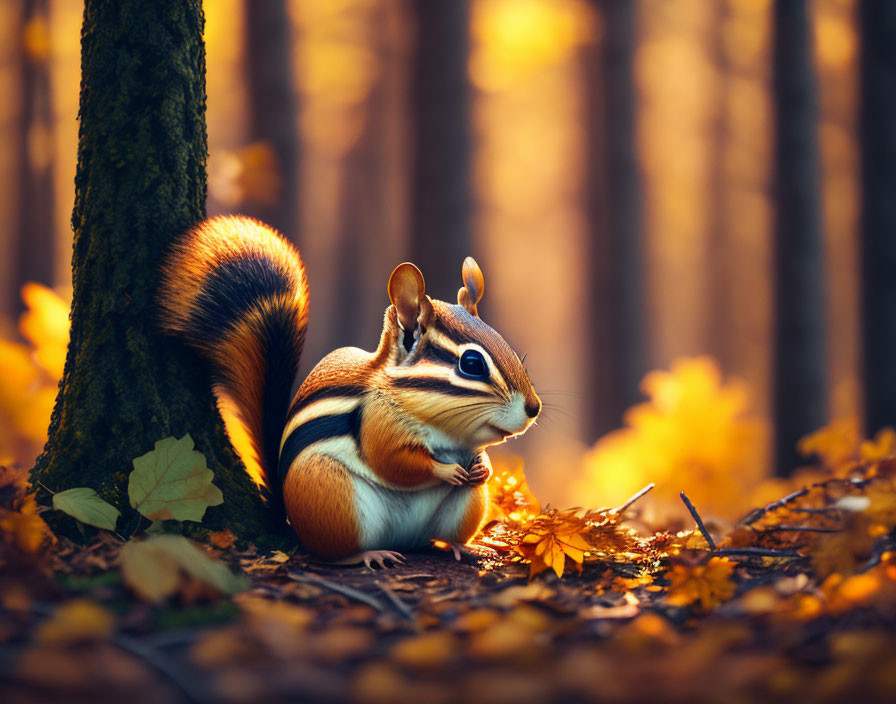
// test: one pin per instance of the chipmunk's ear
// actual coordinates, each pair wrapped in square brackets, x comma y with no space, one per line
[407,291]
[474,286]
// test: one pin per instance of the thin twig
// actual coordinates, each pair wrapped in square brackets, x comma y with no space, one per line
[189,687]
[825,510]
[396,600]
[38,481]
[416,575]
[338,588]
[759,552]
[758,513]
[619,510]
[706,535]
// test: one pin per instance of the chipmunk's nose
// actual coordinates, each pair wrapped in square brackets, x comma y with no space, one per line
[533,406]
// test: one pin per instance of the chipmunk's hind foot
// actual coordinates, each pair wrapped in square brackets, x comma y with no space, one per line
[369,558]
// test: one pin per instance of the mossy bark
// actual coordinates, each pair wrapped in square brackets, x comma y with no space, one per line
[141,180]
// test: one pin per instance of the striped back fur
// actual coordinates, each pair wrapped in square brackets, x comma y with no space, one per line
[235,290]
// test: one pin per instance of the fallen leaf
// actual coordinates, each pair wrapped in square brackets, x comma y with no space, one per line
[173,481]
[153,567]
[508,638]
[534,591]
[23,525]
[340,643]
[85,505]
[152,574]
[842,552]
[428,651]
[76,621]
[552,537]
[705,586]
[222,539]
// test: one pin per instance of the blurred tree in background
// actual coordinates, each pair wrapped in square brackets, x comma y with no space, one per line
[800,371]
[37,242]
[618,334]
[272,108]
[441,202]
[878,221]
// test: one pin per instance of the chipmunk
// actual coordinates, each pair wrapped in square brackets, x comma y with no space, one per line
[376,452]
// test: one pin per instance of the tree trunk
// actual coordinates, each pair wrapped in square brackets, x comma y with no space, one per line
[140,181]
[441,209]
[877,115]
[800,372]
[273,108]
[617,325]
[35,259]
[718,320]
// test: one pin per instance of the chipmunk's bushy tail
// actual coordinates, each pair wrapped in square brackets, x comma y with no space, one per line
[235,290]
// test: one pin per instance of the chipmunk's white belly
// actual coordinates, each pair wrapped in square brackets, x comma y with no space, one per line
[401,520]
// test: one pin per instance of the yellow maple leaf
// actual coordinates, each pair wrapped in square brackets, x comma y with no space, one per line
[705,586]
[551,538]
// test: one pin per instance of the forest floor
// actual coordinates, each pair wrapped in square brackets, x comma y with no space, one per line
[796,603]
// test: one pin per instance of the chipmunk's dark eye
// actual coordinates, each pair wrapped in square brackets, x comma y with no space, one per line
[472,365]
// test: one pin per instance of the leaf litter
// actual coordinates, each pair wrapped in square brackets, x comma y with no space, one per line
[798,599]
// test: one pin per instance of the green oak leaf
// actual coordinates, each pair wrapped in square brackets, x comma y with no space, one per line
[85,505]
[154,568]
[173,481]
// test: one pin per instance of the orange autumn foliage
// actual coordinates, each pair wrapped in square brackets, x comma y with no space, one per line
[693,434]
[704,586]
[30,373]
[509,493]
[20,522]
[553,537]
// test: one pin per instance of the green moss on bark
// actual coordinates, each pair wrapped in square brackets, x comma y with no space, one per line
[141,180]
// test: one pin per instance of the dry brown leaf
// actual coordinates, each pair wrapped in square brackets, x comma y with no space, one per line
[704,586]
[842,552]
[222,539]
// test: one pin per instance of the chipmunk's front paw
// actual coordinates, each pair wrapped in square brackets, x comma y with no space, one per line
[480,471]
[450,473]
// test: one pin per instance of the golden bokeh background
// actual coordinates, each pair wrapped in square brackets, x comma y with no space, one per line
[703,138]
